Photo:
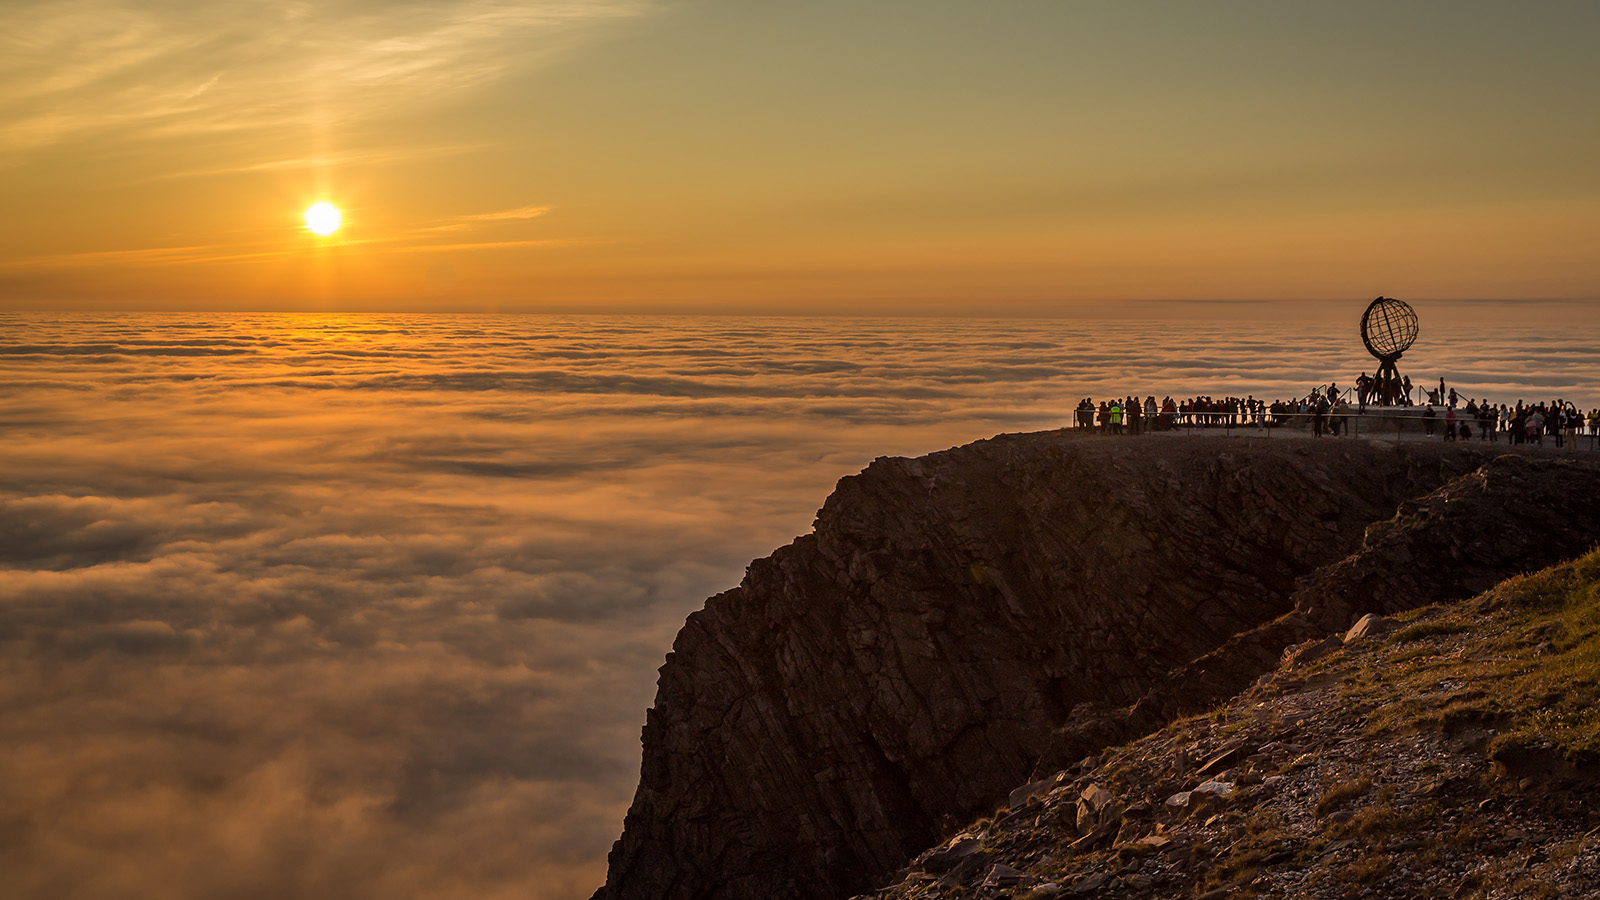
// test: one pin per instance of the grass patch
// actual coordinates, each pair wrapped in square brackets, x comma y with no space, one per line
[1424,630]
[1528,671]
[1267,824]
[1342,794]
[1374,821]
[1384,820]
[1368,870]
[1558,587]
[1553,689]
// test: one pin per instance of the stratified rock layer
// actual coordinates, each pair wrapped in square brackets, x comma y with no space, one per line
[907,664]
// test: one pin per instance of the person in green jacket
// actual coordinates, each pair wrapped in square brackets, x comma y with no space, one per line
[1116,417]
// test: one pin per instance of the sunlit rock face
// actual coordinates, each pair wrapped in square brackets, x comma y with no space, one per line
[906,665]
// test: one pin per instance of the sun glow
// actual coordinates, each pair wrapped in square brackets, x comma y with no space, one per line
[323,218]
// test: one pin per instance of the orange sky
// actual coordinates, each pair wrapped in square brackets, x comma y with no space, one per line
[712,156]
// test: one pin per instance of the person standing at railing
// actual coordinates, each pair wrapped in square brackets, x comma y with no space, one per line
[1116,416]
[1594,429]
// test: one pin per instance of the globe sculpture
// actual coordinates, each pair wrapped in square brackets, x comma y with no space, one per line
[1388,329]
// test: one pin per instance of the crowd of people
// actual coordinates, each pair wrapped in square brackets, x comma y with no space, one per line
[1447,414]
[1560,421]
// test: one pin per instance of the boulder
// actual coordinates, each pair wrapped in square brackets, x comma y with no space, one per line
[1370,625]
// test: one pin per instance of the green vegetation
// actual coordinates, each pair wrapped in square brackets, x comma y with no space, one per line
[1423,630]
[1527,675]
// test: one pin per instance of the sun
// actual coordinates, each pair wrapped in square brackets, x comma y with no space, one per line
[323,218]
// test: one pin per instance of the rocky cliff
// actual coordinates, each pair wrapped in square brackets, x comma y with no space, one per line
[952,620]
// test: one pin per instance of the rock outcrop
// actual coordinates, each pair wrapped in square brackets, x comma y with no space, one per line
[908,664]
[1515,514]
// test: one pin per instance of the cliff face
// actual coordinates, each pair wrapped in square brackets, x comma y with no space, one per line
[1515,514]
[907,664]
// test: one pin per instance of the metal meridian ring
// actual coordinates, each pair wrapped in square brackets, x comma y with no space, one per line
[1388,328]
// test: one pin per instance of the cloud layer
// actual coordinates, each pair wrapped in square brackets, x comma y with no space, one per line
[370,606]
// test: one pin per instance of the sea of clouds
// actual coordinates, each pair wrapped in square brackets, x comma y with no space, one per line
[371,606]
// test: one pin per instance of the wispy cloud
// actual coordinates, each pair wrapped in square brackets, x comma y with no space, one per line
[480,245]
[521,212]
[146,256]
[72,68]
[374,157]
[208,254]
[205,254]
[469,222]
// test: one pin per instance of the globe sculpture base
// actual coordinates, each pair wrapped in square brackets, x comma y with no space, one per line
[1388,388]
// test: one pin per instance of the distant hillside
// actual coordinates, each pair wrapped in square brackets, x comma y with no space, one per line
[1453,753]
[965,622]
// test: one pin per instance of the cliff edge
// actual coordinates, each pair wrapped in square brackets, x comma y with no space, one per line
[956,619]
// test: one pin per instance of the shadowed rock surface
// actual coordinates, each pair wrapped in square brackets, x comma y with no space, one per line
[909,663]
[1516,514]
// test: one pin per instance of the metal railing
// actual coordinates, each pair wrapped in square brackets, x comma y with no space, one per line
[1346,422]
